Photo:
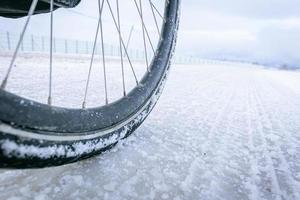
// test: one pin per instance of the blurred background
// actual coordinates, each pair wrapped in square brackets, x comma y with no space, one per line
[266,32]
[262,32]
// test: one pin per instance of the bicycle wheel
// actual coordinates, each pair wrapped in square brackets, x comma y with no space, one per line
[35,134]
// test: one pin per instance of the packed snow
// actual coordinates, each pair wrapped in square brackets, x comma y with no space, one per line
[219,131]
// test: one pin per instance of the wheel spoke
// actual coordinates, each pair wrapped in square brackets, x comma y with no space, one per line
[103,53]
[30,13]
[121,49]
[93,53]
[154,17]
[153,6]
[122,41]
[144,37]
[144,26]
[51,56]
[129,37]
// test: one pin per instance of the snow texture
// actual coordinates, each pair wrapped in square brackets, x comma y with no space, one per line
[219,131]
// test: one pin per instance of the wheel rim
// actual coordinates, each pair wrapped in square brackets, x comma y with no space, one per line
[42,118]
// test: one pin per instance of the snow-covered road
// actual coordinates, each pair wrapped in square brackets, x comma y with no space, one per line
[218,132]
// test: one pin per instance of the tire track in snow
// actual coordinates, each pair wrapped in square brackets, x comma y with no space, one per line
[264,182]
[201,168]
[233,160]
[287,182]
[267,168]
[253,186]
[287,99]
[193,140]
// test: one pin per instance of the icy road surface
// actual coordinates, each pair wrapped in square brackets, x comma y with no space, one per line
[218,132]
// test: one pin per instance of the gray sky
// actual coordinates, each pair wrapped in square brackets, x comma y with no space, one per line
[262,30]
[259,30]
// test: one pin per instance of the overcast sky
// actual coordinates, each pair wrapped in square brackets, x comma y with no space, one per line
[263,30]
[258,30]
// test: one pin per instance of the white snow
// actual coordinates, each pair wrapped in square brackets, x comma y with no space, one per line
[219,131]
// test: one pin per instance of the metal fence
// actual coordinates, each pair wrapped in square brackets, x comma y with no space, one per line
[40,44]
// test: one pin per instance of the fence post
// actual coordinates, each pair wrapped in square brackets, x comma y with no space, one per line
[137,54]
[131,53]
[76,46]
[43,44]
[54,45]
[22,45]
[66,46]
[111,50]
[32,43]
[8,40]
[86,47]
